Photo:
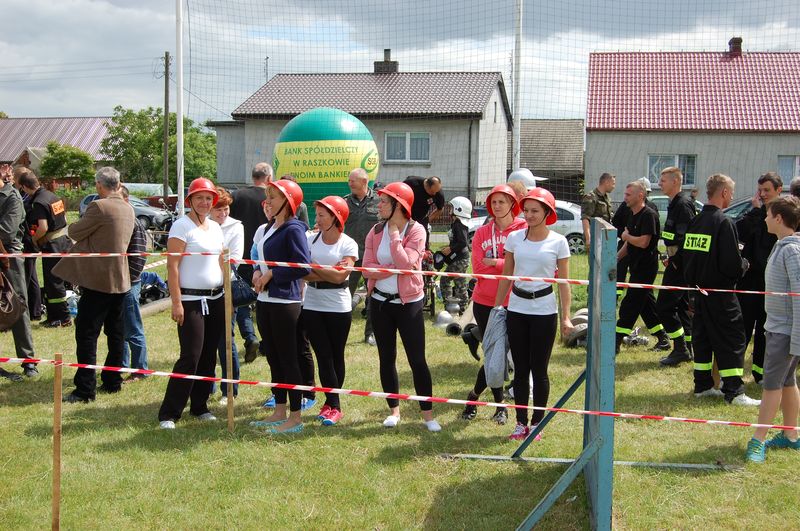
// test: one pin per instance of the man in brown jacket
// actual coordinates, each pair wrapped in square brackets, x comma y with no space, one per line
[106,227]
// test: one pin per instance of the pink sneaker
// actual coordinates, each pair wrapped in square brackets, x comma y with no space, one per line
[323,413]
[334,416]
[520,432]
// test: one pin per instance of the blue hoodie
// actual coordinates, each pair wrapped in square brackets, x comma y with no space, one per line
[287,244]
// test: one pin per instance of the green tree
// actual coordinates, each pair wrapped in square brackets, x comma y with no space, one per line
[134,143]
[67,161]
[3,115]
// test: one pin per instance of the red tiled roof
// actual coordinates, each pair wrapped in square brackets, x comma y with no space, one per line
[17,134]
[369,94]
[691,91]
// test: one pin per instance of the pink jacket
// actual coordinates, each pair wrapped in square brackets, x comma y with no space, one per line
[485,290]
[406,254]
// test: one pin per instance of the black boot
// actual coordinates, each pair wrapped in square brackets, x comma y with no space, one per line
[678,355]
[619,339]
[662,342]
[469,335]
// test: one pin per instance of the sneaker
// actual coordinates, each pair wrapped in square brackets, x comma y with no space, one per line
[269,402]
[167,424]
[55,323]
[469,413]
[538,435]
[371,340]
[710,392]
[14,377]
[323,413]
[134,377]
[250,351]
[307,403]
[744,400]
[782,441]
[391,421]
[334,416]
[223,401]
[30,371]
[500,416]
[520,432]
[207,417]
[433,425]
[756,451]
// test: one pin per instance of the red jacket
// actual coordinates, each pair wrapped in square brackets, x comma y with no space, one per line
[485,290]
[406,254]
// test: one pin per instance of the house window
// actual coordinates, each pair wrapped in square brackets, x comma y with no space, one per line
[408,147]
[686,163]
[788,167]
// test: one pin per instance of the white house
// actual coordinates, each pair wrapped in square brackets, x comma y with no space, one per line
[729,112]
[450,124]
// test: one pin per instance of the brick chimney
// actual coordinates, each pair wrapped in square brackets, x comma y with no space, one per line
[387,66]
[735,47]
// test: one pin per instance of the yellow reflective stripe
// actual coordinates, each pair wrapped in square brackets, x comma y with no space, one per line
[56,301]
[703,366]
[688,339]
[626,331]
[756,369]
[724,373]
[697,242]
[677,333]
[657,328]
[667,235]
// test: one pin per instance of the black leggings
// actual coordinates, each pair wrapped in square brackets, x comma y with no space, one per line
[198,337]
[531,338]
[328,333]
[481,314]
[387,320]
[278,326]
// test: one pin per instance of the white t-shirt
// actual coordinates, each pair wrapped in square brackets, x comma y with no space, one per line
[199,272]
[535,259]
[329,300]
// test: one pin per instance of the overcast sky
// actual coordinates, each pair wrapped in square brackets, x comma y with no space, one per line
[83,57]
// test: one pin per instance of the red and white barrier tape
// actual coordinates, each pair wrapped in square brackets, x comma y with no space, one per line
[154,264]
[401,396]
[548,280]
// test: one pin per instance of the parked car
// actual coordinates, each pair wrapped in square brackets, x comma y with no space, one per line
[662,202]
[569,224]
[149,216]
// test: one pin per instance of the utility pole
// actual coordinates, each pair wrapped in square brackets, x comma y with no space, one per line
[166,126]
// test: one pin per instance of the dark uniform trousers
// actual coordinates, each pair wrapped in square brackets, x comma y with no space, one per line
[672,306]
[639,301]
[754,316]
[55,299]
[718,333]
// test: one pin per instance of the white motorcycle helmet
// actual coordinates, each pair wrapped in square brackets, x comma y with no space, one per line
[523,175]
[462,207]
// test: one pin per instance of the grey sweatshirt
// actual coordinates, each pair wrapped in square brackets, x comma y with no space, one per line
[783,275]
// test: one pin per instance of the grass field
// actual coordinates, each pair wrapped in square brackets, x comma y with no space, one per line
[122,472]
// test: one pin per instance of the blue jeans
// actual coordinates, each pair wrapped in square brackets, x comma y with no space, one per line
[223,363]
[134,357]
[245,321]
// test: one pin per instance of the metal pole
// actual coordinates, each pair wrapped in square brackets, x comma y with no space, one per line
[517,118]
[179,102]
[166,126]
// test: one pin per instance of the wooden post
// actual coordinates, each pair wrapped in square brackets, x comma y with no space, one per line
[56,497]
[226,273]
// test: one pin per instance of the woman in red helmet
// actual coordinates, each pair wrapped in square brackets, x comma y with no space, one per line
[198,305]
[279,297]
[487,258]
[532,317]
[397,300]
[327,311]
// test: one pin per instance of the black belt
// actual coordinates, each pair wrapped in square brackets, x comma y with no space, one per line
[202,292]
[328,285]
[388,296]
[531,295]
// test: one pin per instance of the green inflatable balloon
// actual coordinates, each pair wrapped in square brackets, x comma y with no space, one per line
[320,148]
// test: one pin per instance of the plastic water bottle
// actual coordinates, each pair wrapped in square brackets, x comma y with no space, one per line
[72,304]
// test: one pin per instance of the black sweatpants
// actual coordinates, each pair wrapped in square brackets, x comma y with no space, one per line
[199,338]
[531,338]
[305,358]
[278,325]
[481,313]
[353,281]
[672,306]
[639,301]
[33,289]
[718,333]
[55,291]
[754,316]
[387,320]
[328,333]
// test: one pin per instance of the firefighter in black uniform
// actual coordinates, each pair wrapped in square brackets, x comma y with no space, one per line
[711,259]
[48,224]
[758,244]
[672,306]
[640,239]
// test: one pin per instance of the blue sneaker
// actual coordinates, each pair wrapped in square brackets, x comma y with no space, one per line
[307,403]
[270,402]
[782,441]
[756,451]
[294,429]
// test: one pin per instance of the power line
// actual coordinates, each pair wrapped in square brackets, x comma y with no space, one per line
[28,66]
[53,72]
[73,77]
